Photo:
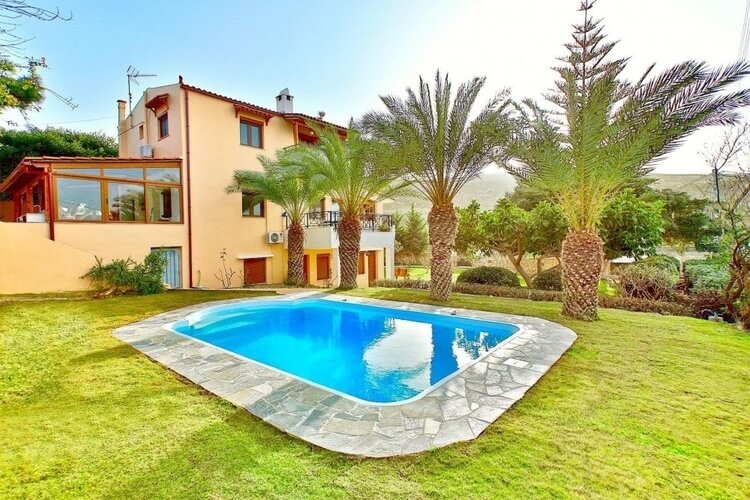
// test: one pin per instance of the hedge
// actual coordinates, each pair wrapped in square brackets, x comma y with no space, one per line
[485,275]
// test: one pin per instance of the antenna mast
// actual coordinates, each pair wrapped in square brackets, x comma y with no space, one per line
[133,76]
[745,37]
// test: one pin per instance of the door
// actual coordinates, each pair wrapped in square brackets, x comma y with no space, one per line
[255,271]
[323,265]
[372,267]
[172,275]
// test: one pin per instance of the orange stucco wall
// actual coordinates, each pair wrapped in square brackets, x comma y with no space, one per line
[32,263]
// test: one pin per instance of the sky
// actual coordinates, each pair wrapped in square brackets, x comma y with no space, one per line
[338,56]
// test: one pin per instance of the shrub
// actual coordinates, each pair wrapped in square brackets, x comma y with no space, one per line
[647,282]
[416,284]
[551,279]
[706,274]
[485,275]
[665,262]
[708,302]
[624,303]
[129,276]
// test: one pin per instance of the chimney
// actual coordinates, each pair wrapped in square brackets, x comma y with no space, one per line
[285,102]
[120,111]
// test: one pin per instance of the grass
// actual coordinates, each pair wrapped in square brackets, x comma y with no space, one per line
[642,405]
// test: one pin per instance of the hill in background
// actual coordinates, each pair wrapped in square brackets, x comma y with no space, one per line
[495,184]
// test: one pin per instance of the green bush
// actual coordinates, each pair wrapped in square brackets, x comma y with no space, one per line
[485,275]
[129,276]
[416,284]
[707,274]
[623,303]
[647,282]
[550,279]
[666,262]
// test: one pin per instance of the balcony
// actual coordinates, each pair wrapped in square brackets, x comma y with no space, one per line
[321,230]
[370,222]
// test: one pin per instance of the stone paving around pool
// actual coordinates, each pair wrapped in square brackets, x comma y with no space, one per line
[458,410]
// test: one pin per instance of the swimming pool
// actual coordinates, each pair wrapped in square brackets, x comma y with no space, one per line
[371,354]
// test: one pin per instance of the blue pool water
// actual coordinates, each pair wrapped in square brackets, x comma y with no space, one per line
[374,354]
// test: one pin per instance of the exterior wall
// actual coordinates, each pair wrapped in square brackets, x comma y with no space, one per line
[168,147]
[123,240]
[218,224]
[35,264]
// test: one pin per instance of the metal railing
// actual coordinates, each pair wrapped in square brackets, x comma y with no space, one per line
[329,218]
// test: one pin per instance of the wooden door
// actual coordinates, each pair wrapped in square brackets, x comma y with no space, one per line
[255,271]
[372,267]
[323,265]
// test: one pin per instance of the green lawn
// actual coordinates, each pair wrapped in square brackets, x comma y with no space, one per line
[642,405]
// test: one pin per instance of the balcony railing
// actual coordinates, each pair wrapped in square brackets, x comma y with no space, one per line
[370,222]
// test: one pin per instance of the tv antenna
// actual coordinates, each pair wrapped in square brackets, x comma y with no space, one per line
[133,76]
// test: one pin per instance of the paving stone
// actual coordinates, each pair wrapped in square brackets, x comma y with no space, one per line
[431,426]
[349,427]
[453,431]
[422,408]
[455,408]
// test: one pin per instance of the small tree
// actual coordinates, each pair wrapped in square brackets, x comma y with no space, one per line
[469,236]
[685,220]
[631,226]
[411,235]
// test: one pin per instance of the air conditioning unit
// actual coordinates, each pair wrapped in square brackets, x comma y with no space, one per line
[275,237]
[147,151]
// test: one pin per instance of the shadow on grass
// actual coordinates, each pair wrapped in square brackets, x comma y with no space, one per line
[120,351]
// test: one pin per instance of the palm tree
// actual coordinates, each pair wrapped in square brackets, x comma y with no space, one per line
[608,133]
[290,186]
[440,148]
[350,178]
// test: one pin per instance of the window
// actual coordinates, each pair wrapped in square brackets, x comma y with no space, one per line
[171,175]
[164,204]
[79,199]
[140,132]
[126,202]
[252,206]
[130,194]
[251,134]
[163,125]
[125,173]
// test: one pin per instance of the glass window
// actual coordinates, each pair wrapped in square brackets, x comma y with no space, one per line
[252,206]
[79,171]
[163,204]
[163,125]
[78,199]
[250,134]
[163,175]
[124,173]
[126,202]
[140,132]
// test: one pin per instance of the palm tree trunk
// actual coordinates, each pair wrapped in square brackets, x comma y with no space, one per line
[350,230]
[296,252]
[443,223]
[582,258]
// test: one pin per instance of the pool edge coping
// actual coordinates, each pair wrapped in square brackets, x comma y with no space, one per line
[458,409]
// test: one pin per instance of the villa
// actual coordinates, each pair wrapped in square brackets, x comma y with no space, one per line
[178,149]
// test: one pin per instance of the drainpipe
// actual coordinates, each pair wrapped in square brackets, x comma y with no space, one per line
[189,187]
[50,204]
